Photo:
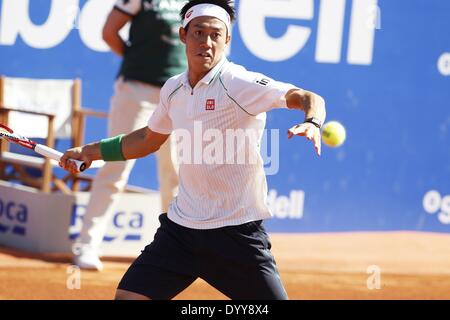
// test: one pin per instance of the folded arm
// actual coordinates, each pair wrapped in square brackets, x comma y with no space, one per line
[110,33]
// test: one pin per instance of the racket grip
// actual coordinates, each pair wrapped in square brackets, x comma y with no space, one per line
[56,155]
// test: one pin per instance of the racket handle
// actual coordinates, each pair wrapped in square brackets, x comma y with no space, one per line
[56,155]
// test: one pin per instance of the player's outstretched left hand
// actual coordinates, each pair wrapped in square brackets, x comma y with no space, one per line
[308,130]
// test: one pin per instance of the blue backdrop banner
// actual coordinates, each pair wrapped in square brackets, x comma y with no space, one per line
[382,66]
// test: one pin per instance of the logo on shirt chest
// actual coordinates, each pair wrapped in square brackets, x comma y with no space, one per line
[210,104]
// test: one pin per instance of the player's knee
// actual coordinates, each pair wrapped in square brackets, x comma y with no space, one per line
[128,295]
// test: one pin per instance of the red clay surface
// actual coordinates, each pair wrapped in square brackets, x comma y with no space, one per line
[312,266]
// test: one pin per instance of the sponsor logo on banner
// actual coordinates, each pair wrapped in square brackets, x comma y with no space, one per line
[435,203]
[124,226]
[364,17]
[65,16]
[284,207]
[13,217]
[444,64]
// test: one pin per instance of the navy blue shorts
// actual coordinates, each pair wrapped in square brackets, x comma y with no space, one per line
[236,260]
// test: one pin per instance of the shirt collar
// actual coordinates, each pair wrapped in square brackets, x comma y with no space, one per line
[209,76]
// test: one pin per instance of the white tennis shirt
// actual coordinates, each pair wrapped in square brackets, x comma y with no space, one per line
[218,186]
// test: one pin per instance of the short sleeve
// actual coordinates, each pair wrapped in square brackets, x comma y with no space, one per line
[257,93]
[160,120]
[130,7]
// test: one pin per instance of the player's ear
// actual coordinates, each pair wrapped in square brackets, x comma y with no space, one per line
[182,34]
[227,41]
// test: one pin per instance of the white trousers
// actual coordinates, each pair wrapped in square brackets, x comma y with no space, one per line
[131,106]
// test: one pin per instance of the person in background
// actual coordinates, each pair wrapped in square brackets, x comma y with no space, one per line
[152,54]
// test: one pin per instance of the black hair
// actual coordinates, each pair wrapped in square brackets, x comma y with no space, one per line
[227,5]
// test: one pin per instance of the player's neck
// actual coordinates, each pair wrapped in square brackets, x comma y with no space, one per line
[194,76]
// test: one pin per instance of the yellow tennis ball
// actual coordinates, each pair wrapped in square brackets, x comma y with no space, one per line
[333,134]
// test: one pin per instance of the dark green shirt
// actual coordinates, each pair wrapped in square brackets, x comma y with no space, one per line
[154,52]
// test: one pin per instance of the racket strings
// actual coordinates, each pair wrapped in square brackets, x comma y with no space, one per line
[8,135]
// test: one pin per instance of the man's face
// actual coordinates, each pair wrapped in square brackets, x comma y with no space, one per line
[205,40]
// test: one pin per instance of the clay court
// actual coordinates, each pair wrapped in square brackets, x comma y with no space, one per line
[313,266]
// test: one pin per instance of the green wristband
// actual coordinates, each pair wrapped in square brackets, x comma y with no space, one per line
[111,148]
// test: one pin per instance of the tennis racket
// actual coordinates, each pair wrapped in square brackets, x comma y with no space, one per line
[9,135]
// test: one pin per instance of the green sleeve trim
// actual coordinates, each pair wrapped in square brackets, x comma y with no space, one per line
[111,148]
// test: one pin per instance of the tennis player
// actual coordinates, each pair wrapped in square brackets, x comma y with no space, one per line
[213,228]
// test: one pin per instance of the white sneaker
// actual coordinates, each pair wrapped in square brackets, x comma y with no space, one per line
[88,259]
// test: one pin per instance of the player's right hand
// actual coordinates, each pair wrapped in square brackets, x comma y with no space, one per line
[76,153]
